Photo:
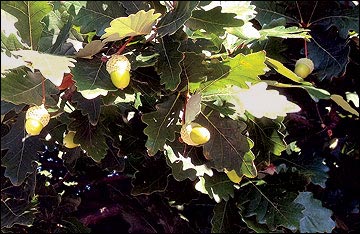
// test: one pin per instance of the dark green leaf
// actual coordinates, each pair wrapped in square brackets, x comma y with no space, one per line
[227,145]
[268,11]
[20,157]
[317,219]
[271,207]
[168,65]
[91,77]
[16,212]
[90,107]
[91,138]
[194,70]
[225,218]
[29,15]
[162,124]
[96,16]
[330,54]
[151,177]
[21,86]
[175,19]
[213,21]
[132,7]
[267,135]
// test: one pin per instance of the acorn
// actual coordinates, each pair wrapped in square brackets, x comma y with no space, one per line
[37,117]
[118,66]
[303,67]
[68,140]
[194,134]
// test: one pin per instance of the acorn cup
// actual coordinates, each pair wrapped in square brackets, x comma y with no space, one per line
[118,66]
[37,117]
[194,134]
[303,67]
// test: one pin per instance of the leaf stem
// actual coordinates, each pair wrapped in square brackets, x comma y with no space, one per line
[123,47]
[305,48]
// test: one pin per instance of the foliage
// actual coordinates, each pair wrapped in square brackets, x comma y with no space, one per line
[227,66]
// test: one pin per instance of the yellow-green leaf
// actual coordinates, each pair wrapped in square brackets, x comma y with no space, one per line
[135,24]
[52,67]
[280,68]
[345,105]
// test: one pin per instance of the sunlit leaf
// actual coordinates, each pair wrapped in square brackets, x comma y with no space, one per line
[218,187]
[243,9]
[317,219]
[243,69]
[193,108]
[135,24]
[345,105]
[52,67]
[90,49]
[280,68]
[181,164]
[162,124]
[29,15]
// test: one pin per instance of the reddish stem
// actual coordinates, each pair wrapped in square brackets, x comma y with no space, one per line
[305,48]
[43,90]
[123,47]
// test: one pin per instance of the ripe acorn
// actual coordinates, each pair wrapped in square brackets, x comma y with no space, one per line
[303,67]
[118,66]
[68,140]
[194,134]
[37,117]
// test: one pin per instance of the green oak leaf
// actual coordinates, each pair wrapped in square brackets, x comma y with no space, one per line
[10,43]
[30,15]
[91,138]
[20,155]
[317,219]
[227,145]
[180,162]
[17,212]
[217,186]
[267,133]
[271,207]
[21,86]
[132,7]
[96,16]
[194,70]
[168,65]
[91,78]
[162,124]
[213,21]
[243,68]
[90,107]
[225,218]
[151,177]
[176,18]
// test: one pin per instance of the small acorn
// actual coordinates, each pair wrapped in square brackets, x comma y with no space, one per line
[37,117]
[303,67]
[194,134]
[68,140]
[118,66]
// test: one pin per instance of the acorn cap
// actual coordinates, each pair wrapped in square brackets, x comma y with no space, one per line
[185,133]
[306,62]
[38,113]
[117,62]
